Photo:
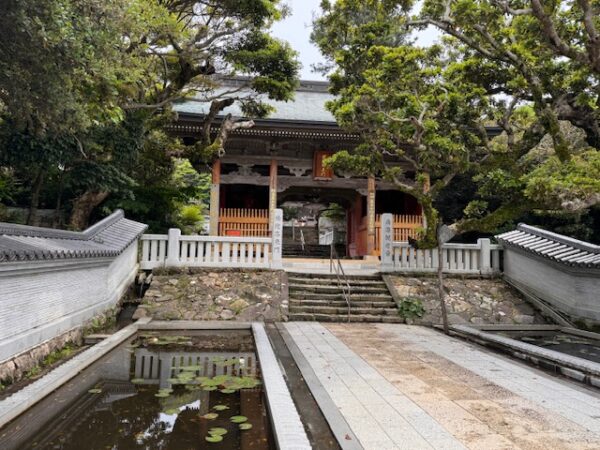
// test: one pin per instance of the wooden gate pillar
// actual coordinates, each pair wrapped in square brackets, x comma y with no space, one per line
[371,216]
[272,192]
[214,198]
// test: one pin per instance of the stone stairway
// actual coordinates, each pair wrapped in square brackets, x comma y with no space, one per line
[318,297]
[311,251]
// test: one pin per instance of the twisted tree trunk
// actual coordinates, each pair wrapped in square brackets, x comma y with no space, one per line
[441,292]
[32,216]
[83,207]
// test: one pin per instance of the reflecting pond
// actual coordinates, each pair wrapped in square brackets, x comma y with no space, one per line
[570,344]
[198,390]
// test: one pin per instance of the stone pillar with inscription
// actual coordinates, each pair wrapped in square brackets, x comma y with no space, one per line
[371,216]
[387,242]
[214,198]
[272,191]
[277,239]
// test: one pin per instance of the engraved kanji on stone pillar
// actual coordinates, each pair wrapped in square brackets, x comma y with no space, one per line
[277,239]
[387,242]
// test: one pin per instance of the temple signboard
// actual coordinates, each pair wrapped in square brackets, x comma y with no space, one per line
[320,171]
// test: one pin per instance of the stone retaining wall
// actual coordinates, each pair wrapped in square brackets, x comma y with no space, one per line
[468,300]
[205,294]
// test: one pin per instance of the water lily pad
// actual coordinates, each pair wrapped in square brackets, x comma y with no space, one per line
[162,393]
[95,391]
[214,438]
[210,416]
[220,407]
[245,426]
[220,379]
[228,391]
[217,431]
[238,419]
[209,388]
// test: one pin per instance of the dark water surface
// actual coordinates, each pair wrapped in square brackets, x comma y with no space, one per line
[570,344]
[156,392]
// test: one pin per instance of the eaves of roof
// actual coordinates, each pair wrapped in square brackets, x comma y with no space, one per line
[552,246]
[107,238]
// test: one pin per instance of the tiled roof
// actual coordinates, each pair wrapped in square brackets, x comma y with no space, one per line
[556,247]
[107,238]
[308,105]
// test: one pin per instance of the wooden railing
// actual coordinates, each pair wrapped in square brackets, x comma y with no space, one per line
[243,222]
[405,226]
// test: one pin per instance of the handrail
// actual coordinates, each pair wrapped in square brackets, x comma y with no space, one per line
[339,272]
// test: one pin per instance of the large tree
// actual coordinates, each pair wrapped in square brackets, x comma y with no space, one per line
[533,90]
[97,69]
[428,108]
[544,56]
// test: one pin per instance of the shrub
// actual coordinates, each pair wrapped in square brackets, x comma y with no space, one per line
[411,308]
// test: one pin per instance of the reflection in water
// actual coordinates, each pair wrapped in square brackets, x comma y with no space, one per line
[177,399]
[570,344]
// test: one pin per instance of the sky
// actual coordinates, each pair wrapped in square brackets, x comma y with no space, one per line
[296,29]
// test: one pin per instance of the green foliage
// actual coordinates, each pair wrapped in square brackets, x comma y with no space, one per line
[428,107]
[86,88]
[411,308]
[64,65]
[334,211]
[195,185]
[102,322]
[566,186]
[8,185]
[290,212]
[60,354]
[191,218]
[407,103]
[52,358]
[33,372]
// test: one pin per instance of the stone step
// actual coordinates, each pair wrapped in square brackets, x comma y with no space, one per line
[332,276]
[342,303]
[352,282]
[344,318]
[343,310]
[333,288]
[340,296]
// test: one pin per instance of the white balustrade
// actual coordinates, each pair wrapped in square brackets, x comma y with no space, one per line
[177,250]
[482,257]
[158,367]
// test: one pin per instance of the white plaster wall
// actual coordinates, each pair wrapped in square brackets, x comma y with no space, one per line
[571,290]
[41,300]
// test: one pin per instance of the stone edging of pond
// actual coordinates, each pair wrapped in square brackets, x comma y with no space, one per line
[578,369]
[24,399]
[287,426]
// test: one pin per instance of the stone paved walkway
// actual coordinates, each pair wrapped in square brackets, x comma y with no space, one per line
[410,387]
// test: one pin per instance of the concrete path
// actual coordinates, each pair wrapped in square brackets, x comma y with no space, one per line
[409,387]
